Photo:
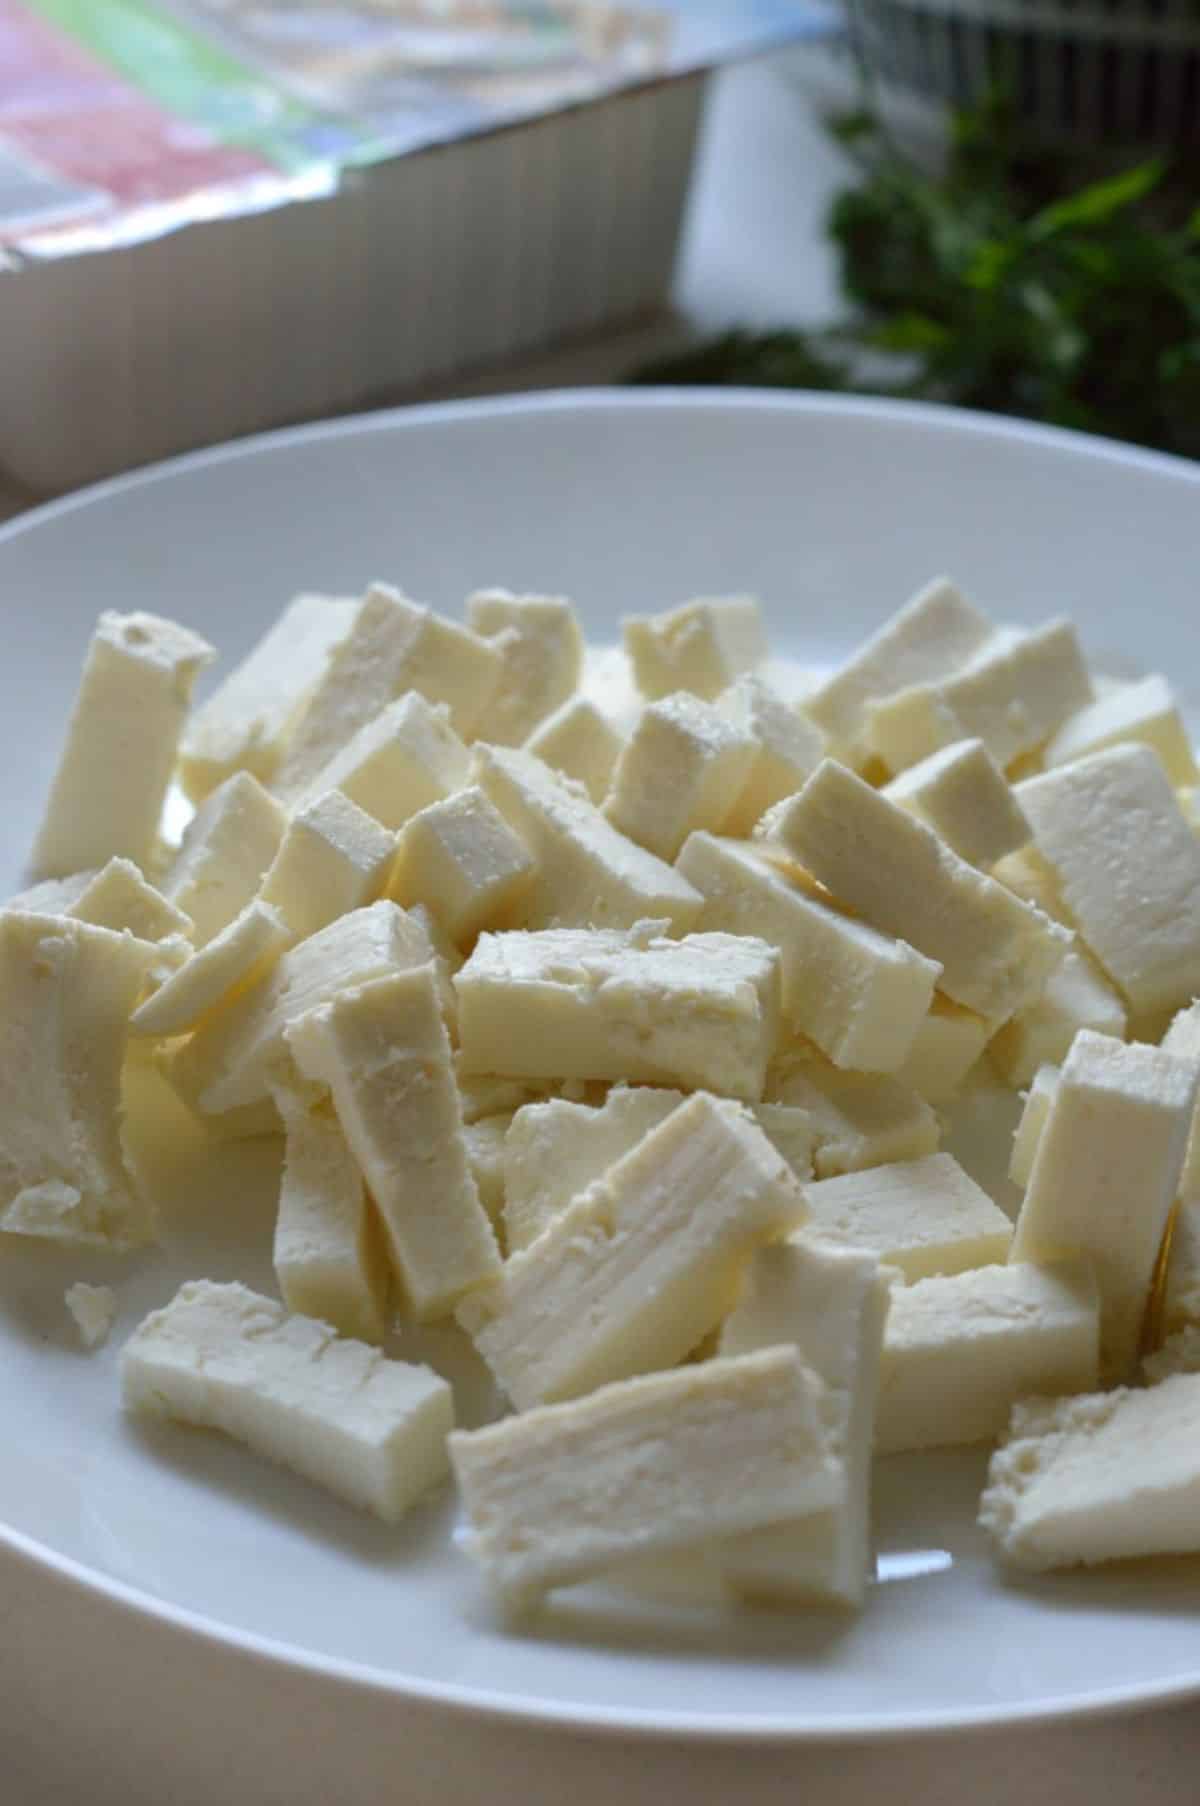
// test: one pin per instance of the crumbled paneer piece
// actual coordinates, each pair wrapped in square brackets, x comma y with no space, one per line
[1100,1478]
[108,792]
[682,768]
[701,646]
[371,1430]
[541,650]
[579,742]
[94,1309]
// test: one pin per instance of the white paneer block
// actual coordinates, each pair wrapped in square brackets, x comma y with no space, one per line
[244,724]
[962,794]
[1027,875]
[995,951]
[484,1141]
[1077,995]
[934,634]
[392,646]
[1181,1291]
[227,846]
[859,1120]
[702,1012]
[221,1357]
[960,1351]
[385,1055]
[541,649]
[589,875]
[462,860]
[228,1062]
[635,1272]
[947,1045]
[66,991]
[792,1132]
[858,994]
[1183,1039]
[923,1217]
[787,747]
[93,1310]
[1128,867]
[1145,712]
[644,1467]
[683,768]
[329,1254]
[554,1150]
[701,646]
[1033,1121]
[1012,696]
[1105,1175]
[333,858]
[579,742]
[108,792]
[403,759]
[238,957]
[830,1304]
[1101,1478]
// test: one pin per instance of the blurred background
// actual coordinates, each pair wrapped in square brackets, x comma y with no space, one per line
[220,216]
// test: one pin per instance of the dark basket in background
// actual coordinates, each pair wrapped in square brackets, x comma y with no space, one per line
[1099,72]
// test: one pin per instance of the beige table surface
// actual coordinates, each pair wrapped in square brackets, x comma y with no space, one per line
[89,1720]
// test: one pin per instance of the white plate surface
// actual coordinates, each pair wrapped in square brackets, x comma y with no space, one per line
[832,512]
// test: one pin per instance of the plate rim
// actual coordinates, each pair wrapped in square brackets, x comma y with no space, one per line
[157,1614]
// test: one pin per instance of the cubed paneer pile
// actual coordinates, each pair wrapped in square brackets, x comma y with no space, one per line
[625,1043]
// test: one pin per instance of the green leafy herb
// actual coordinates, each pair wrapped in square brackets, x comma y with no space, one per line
[1019,280]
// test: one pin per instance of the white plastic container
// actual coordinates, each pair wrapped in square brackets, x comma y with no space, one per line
[427,265]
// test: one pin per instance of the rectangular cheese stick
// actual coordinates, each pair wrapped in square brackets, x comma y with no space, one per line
[636,1271]
[1128,867]
[384,1053]
[858,1119]
[701,646]
[240,956]
[66,990]
[962,794]
[649,1465]
[1106,1173]
[961,1349]
[996,952]
[244,724]
[1145,712]
[921,1216]
[860,995]
[540,644]
[682,769]
[333,858]
[329,1253]
[831,1305]
[227,846]
[701,1012]
[579,742]
[108,791]
[370,1430]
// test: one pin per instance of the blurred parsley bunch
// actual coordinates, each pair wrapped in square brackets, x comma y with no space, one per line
[1017,281]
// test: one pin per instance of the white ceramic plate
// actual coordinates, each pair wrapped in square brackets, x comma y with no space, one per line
[832,512]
